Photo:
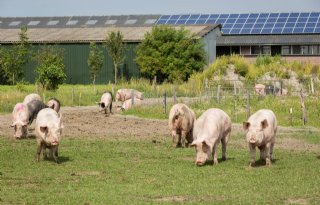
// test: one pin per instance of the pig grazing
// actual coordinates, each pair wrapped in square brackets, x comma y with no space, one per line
[213,126]
[261,129]
[31,97]
[127,104]
[24,114]
[125,94]
[54,103]
[48,133]
[181,120]
[106,102]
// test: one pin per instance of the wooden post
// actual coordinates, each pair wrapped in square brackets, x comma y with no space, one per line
[165,101]
[207,88]
[234,88]
[290,116]
[235,110]
[193,88]
[72,94]
[132,97]
[248,104]
[112,89]
[44,97]
[154,84]
[174,95]
[79,99]
[304,114]
[312,86]
[218,94]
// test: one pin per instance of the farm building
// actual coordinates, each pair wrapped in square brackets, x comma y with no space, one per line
[74,34]
[294,36]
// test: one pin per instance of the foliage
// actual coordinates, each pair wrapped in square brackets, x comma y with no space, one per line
[50,67]
[170,54]
[14,58]
[95,61]
[116,49]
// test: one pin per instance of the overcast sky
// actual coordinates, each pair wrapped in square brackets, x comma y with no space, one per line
[18,8]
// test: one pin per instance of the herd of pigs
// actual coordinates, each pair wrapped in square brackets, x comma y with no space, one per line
[204,133]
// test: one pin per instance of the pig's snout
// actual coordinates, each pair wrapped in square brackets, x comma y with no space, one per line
[55,143]
[199,163]
[252,139]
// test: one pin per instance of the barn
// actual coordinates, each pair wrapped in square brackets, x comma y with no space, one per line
[75,33]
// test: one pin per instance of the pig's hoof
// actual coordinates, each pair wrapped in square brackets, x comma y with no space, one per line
[268,162]
[215,161]
[251,164]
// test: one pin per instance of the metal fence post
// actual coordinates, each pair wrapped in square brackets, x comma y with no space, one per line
[248,104]
[174,95]
[218,94]
[207,88]
[72,94]
[132,97]
[165,101]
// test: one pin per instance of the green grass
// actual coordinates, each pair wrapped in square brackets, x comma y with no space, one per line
[128,170]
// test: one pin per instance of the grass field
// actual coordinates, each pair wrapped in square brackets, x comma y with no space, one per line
[129,170]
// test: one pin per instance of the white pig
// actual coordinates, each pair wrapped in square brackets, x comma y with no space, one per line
[54,103]
[48,132]
[125,94]
[213,126]
[181,120]
[261,129]
[30,97]
[128,103]
[106,102]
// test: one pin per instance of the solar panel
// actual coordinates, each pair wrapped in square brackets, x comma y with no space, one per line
[252,23]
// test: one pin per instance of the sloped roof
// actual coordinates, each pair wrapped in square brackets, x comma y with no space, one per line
[69,35]
[268,40]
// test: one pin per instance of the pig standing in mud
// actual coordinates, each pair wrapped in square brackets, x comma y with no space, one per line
[54,104]
[181,120]
[31,97]
[261,129]
[106,102]
[48,133]
[213,126]
[127,104]
[125,94]
[24,114]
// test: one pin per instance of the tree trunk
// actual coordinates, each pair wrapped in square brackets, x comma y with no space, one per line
[115,72]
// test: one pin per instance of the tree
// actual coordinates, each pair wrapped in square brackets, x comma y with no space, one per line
[170,54]
[13,59]
[116,48]
[95,61]
[50,68]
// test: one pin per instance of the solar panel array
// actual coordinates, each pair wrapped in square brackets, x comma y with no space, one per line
[253,23]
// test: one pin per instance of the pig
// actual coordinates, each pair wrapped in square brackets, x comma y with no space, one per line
[259,89]
[261,129]
[125,94]
[48,133]
[213,126]
[181,120]
[128,103]
[23,115]
[54,103]
[31,97]
[106,102]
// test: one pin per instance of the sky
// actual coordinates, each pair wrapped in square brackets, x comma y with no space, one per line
[23,8]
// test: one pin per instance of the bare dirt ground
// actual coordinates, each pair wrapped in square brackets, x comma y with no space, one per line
[89,122]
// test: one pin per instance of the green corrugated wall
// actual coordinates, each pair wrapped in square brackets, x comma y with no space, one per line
[77,70]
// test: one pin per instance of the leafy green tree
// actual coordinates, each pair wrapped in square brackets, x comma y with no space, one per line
[14,58]
[50,68]
[95,61]
[170,54]
[116,48]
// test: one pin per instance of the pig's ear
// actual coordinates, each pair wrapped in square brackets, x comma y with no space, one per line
[193,144]
[264,124]
[44,129]
[246,125]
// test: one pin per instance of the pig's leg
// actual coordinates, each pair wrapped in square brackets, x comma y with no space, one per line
[252,148]
[271,150]
[268,159]
[174,138]
[224,142]
[54,151]
[39,146]
[183,138]
[44,152]
[214,154]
